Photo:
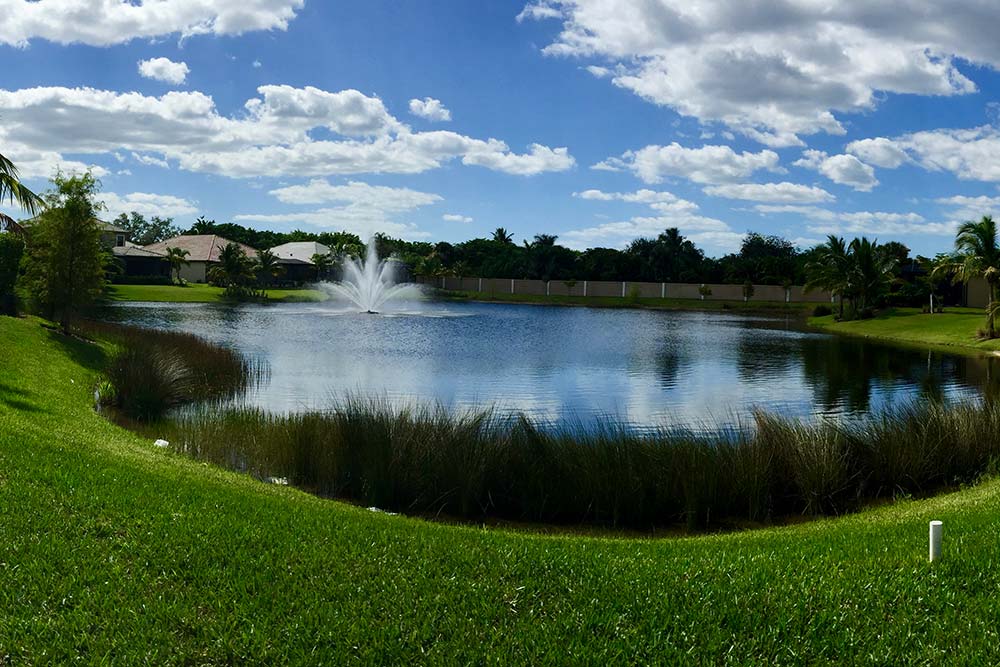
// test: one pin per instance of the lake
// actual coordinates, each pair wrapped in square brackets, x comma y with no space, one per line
[565,365]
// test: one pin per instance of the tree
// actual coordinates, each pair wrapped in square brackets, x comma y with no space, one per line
[501,235]
[873,271]
[268,266]
[66,261]
[323,263]
[177,257]
[235,272]
[977,255]
[14,192]
[202,226]
[145,232]
[830,269]
[11,250]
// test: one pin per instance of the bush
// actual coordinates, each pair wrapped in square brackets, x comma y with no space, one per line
[822,310]
[11,250]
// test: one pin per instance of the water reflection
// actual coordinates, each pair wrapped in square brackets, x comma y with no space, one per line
[570,364]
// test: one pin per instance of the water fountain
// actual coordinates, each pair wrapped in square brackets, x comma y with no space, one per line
[370,283]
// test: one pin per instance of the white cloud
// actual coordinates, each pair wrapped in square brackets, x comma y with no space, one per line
[272,138]
[774,71]
[454,217]
[670,211]
[164,69]
[879,151]
[107,22]
[150,160]
[33,162]
[842,169]
[429,109]
[257,64]
[708,164]
[825,221]
[365,210]
[961,207]
[320,191]
[771,192]
[165,206]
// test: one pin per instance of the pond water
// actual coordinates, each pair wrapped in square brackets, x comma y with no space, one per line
[565,365]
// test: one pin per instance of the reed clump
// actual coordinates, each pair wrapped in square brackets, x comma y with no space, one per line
[480,465]
[151,371]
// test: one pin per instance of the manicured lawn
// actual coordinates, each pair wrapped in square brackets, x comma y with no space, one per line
[629,302]
[954,327]
[195,292]
[115,552]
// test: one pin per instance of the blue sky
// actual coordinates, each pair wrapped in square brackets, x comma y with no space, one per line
[597,120]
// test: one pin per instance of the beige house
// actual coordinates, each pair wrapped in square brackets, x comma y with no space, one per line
[203,252]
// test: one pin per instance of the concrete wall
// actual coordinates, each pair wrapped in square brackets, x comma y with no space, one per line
[195,272]
[614,288]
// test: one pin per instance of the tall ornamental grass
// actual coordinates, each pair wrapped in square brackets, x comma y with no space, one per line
[483,465]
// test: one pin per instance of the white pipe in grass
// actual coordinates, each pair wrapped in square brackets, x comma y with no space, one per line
[935,540]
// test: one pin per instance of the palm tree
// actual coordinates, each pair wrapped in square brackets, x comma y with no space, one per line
[977,255]
[268,266]
[235,271]
[503,236]
[831,269]
[323,263]
[873,270]
[202,226]
[12,191]
[177,257]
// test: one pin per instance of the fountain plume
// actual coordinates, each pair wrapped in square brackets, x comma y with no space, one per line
[370,282]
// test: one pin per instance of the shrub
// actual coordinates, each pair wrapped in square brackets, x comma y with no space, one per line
[822,310]
[122,279]
[11,250]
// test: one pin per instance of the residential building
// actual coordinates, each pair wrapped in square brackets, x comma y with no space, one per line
[203,252]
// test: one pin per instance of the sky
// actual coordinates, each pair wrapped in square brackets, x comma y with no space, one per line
[599,121]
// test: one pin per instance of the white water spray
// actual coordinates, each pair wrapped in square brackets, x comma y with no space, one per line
[370,282]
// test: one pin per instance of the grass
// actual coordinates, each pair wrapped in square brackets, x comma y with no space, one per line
[113,551]
[483,466]
[200,293]
[629,302]
[956,327]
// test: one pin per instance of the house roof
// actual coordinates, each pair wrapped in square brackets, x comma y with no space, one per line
[200,247]
[301,250]
[134,250]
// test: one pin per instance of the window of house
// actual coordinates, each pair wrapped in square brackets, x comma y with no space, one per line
[119,240]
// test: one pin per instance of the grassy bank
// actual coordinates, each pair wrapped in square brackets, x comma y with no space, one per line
[200,293]
[629,302]
[956,327]
[113,551]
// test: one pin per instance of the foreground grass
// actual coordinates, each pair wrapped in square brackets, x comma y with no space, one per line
[200,293]
[629,302]
[956,327]
[112,551]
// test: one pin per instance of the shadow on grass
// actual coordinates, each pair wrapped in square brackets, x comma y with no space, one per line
[17,398]
[83,352]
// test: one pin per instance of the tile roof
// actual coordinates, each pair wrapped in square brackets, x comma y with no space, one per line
[200,247]
[133,250]
[301,250]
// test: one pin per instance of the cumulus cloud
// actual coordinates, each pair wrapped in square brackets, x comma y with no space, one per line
[771,192]
[364,209]
[164,69]
[454,217]
[775,71]
[842,169]
[708,164]
[272,137]
[960,208]
[879,151]
[886,223]
[430,109]
[668,211]
[165,206]
[107,22]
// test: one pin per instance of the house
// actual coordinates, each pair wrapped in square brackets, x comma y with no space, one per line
[296,258]
[203,252]
[138,261]
[113,236]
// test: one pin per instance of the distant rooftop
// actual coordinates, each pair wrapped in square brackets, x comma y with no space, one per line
[200,247]
[300,250]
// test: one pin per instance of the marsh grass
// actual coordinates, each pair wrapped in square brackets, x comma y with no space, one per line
[484,465]
[151,371]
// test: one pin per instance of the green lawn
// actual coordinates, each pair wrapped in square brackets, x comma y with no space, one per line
[628,302]
[954,327]
[113,551]
[196,292]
